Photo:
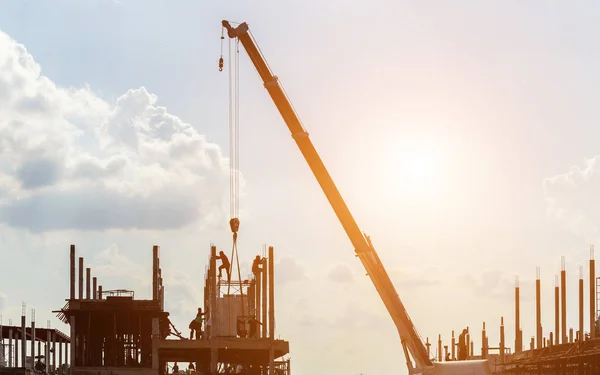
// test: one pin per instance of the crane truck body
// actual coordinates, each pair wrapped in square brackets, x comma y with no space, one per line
[417,358]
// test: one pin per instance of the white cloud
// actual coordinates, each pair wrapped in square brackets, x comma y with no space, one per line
[288,270]
[111,263]
[571,198]
[70,160]
[341,273]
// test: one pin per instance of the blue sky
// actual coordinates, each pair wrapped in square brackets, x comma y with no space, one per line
[458,134]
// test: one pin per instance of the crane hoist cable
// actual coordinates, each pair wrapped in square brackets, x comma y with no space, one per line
[234,160]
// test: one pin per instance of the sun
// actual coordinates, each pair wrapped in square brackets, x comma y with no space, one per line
[416,170]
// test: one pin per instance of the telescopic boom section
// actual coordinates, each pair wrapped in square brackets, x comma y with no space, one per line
[362,244]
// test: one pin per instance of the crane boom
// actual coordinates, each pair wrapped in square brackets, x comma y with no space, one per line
[410,339]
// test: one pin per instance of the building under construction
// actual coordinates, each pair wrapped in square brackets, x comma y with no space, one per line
[28,349]
[561,350]
[113,333]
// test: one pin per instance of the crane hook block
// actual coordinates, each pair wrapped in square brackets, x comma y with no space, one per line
[234,224]
[221,64]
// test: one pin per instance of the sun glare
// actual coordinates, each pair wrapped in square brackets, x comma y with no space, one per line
[416,170]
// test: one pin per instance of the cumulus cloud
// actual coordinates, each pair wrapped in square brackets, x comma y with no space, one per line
[112,264]
[70,160]
[288,270]
[341,273]
[571,198]
[414,278]
[491,284]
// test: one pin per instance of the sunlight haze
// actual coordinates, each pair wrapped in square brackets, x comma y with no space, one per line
[463,136]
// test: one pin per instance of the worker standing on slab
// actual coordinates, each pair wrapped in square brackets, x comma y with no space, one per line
[196,324]
[462,345]
[224,264]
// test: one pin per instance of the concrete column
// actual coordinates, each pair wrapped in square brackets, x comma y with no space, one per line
[439,348]
[23,340]
[264,300]
[99,291]
[592,293]
[538,310]
[33,335]
[518,340]
[581,292]
[155,272]
[271,293]
[88,273]
[212,275]
[73,345]
[483,342]
[80,277]
[72,295]
[155,343]
[502,346]
[10,345]
[47,351]
[556,312]
[60,356]
[95,287]
[563,302]
[257,293]
[16,346]
[453,347]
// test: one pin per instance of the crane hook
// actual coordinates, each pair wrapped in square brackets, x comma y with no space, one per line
[221,64]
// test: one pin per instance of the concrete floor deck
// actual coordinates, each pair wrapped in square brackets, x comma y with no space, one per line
[230,349]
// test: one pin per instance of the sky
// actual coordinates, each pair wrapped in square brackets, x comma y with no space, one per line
[463,137]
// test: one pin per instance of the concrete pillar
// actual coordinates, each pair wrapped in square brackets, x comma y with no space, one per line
[94,287]
[33,335]
[538,310]
[47,353]
[257,293]
[502,346]
[439,348]
[72,285]
[518,340]
[453,347]
[23,340]
[556,312]
[264,280]
[73,345]
[60,356]
[592,294]
[155,272]
[428,345]
[212,275]
[563,302]
[483,343]
[10,345]
[88,273]
[99,291]
[581,292]
[570,335]
[80,277]
[155,343]
[271,293]
[16,346]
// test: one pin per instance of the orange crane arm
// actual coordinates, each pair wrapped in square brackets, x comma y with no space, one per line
[411,341]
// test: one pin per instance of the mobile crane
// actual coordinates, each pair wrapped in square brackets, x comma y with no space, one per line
[412,344]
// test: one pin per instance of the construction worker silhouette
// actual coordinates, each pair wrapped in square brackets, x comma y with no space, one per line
[256,264]
[462,345]
[196,325]
[224,264]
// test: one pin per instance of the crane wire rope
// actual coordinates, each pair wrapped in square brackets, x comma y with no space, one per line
[234,172]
